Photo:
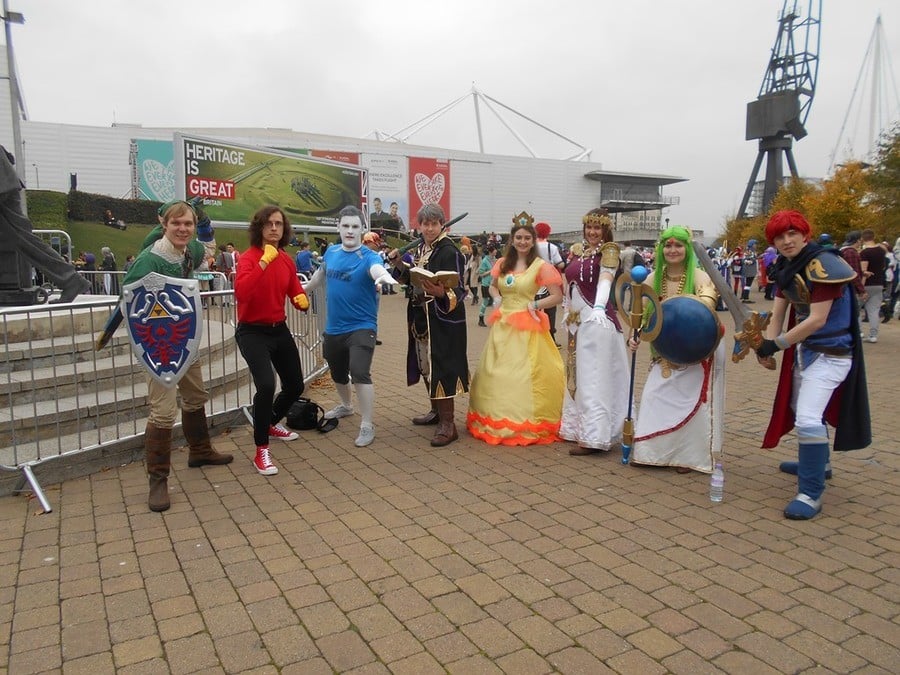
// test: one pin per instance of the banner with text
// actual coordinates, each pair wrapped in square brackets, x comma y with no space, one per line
[429,183]
[155,169]
[337,156]
[236,180]
[388,191]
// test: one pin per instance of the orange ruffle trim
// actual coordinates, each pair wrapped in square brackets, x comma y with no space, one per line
[543,432]
[522,320]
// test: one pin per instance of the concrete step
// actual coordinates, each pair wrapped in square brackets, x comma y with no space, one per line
[58,397]
[64,367]
[27,422]
[92,435]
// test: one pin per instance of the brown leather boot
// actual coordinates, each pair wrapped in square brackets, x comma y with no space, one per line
[431,417]
[446,431]
[158,447]
[196,433]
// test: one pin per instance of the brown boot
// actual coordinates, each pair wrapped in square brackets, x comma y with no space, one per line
[431,417]
[158,447]
[196,433]
[446,431]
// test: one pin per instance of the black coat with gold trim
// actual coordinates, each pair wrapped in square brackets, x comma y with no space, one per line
[439,324]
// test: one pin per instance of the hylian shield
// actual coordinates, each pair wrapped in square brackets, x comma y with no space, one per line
[164,316]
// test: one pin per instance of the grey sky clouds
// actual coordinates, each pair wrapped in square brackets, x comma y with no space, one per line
[649,85]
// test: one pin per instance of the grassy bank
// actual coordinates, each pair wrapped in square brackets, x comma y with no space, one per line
[48,211]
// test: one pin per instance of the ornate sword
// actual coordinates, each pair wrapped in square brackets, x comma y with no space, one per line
[418,240]
[749,326]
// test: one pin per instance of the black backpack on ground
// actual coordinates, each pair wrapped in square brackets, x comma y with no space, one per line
[306,414]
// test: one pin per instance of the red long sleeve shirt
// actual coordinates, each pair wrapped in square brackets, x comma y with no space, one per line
[259,292]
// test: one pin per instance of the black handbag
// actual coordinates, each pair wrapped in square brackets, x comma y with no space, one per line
[305,414]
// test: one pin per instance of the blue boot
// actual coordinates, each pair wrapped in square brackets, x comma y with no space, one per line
[812,456]
[791,468]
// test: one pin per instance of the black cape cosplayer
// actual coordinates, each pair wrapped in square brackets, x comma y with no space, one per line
[848,408]
[442,323]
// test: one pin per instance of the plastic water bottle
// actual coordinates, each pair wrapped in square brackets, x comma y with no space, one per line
[717,484]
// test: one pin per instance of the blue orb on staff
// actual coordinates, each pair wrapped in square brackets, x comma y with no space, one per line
[639,274]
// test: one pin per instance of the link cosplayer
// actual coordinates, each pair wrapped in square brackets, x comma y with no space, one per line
[171,250]
[822,373]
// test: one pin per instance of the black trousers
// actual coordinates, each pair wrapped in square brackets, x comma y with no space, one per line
[265,348]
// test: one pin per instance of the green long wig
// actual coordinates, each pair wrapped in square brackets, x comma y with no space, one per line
[683,235]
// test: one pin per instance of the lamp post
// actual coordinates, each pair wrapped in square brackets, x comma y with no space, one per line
[9,18]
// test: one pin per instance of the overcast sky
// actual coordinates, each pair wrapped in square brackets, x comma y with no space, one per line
[651,86]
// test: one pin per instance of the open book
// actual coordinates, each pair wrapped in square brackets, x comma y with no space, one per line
[446,277]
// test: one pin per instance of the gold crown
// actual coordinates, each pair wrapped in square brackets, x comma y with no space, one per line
[523,220]
[596,219]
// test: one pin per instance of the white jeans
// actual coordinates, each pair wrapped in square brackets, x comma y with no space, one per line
[813,387]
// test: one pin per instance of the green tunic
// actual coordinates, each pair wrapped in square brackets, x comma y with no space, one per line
[152,259]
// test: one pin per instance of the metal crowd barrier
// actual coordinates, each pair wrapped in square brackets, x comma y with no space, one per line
[59,397]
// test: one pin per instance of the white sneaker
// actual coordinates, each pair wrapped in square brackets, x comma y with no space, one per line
[279,431]
[873,338]
[263,462]
[366,436]
[339,411]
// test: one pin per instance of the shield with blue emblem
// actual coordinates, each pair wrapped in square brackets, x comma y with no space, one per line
[690,330]
[164,316]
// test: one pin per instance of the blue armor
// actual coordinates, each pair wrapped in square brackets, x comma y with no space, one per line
[834,338]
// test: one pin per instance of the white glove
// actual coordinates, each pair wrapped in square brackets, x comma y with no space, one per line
[602,294]
[381,276]
[385,280]
[594,315]
[317,278]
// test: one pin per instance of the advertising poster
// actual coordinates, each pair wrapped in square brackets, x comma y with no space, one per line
[155,164]
[337,156]
[236,180]
[429,183]
[388,192]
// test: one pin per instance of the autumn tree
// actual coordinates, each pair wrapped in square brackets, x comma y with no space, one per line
[884,185]
[841,203]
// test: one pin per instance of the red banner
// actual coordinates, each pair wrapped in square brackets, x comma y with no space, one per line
[429,183]
[337,156]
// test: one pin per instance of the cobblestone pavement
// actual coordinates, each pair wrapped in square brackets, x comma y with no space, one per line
[404,558]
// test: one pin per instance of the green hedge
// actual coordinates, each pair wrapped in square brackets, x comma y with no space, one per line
[91,207]
[46,209]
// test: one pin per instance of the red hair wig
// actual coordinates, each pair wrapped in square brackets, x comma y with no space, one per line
[782,221]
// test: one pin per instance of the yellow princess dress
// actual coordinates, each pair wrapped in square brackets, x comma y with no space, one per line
[517,392]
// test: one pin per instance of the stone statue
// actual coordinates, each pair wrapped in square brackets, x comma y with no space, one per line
[17,238]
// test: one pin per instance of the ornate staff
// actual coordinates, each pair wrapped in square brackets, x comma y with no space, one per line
[634,282]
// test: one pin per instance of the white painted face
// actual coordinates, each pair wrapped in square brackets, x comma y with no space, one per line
[351,231]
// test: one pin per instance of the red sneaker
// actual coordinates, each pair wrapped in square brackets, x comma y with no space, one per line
[279,431]
[263,462]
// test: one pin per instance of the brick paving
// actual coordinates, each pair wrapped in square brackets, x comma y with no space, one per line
[402,558]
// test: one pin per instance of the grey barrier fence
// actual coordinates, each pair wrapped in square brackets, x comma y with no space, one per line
[59,396]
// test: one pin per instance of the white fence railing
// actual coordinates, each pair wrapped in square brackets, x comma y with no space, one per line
[58,396]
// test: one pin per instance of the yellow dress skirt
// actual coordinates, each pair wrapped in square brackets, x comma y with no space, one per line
[517,392]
